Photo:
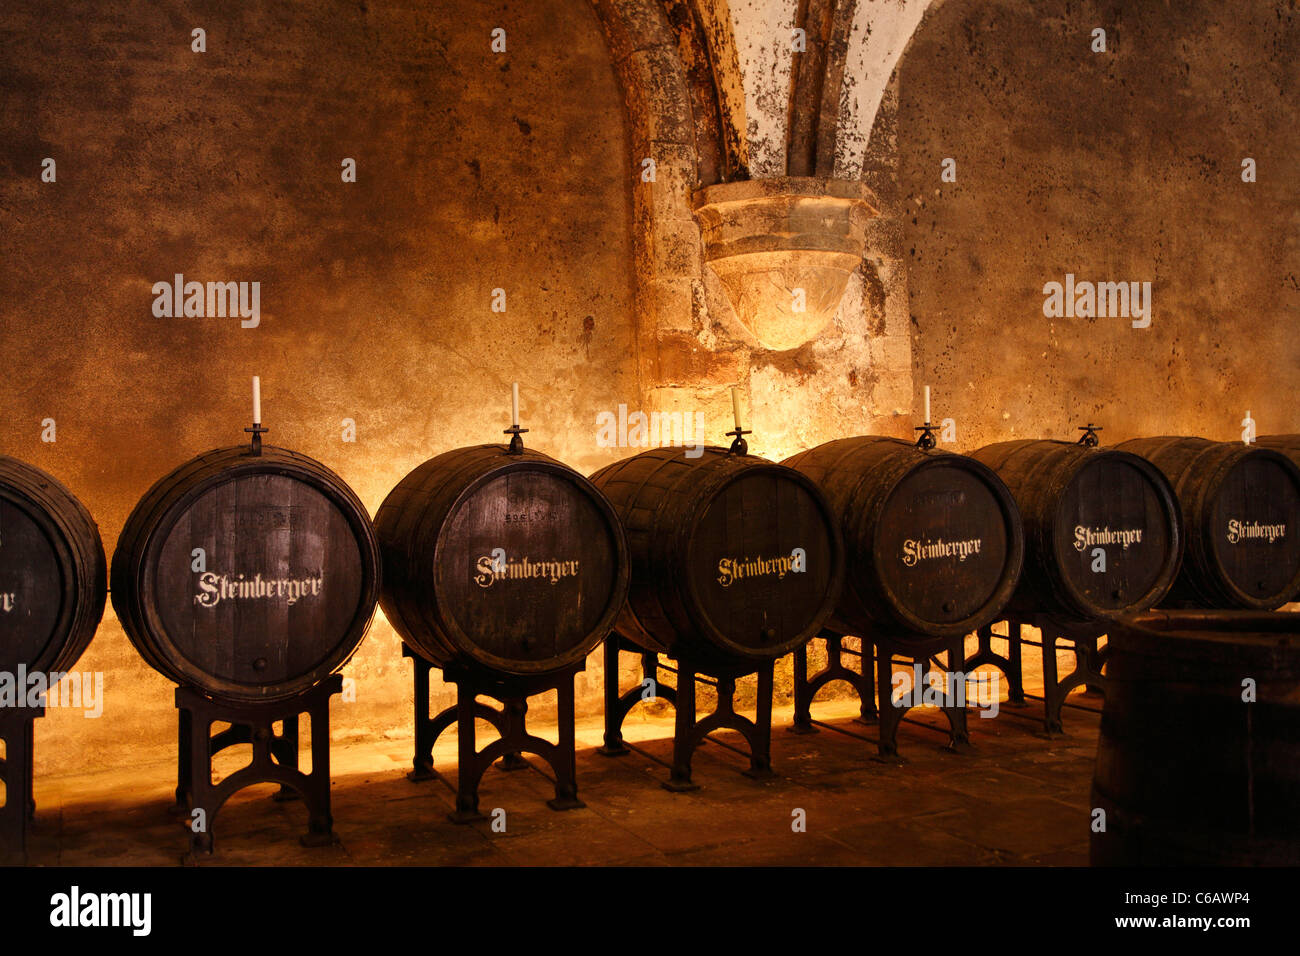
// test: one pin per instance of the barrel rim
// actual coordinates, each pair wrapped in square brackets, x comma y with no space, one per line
[273,461]
[65,562]
[1211,491]
[1173,510]
[83,606]
[622,572]
[686,538]
[1012,566]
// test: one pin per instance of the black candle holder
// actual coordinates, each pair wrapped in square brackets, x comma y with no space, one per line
[516,443]
[257,431]
[927,440]
[1089,438]
[739,446]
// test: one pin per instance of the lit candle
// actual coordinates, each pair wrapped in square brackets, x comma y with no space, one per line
[514,404]
[927,404]
[735,405]
[257,400]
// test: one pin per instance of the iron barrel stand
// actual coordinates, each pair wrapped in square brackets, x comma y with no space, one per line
[18,732]
[1089,660]
[275,757]
[918,652]
[805,688]
[510,723]
[688,731]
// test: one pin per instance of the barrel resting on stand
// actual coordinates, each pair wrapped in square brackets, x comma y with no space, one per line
[510,722]
[275,757]
[1082,638]
[688,732]
[17,730]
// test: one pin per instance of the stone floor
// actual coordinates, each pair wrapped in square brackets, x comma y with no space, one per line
[1018,797]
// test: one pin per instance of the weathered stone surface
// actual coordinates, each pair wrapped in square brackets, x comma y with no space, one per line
[1116,166]
[784,249]
[475,171]
[680,359]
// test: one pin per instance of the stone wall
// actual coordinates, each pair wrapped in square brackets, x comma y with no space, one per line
[475,171]
[1117,166]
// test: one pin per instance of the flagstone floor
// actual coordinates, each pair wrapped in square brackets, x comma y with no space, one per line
[1017,797]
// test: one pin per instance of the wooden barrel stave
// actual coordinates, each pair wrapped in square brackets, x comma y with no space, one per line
[432,527]
[1188,771]
[865,479]
[684,519]
[55,560]
[1220,482]
[274,513]
[1061,488]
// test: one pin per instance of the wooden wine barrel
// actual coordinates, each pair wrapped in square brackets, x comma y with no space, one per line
[1288,445]
[508,563]
[1188,772]
[736,560]
[1085,508]
[933,541]
[53,577]
[1241,508]
[249,577]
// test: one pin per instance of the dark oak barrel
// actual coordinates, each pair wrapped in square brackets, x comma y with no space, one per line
[1241,506]
[509,563]
[1188,772]
[283,592]
[53,577]
[736,560]
[1288,445]
[1075,499]
[933,541]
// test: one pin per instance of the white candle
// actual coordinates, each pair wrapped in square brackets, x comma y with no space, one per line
[735,405]
[927,404]
[514,404]
[257,400]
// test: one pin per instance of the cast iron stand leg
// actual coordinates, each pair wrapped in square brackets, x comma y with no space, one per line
[760,746]
[868,713]
[202,808]
[1052,697]
[890,714]
[286,751]
[468,771]
[614,712]
[184,763]
[17,730]
[566,760]
[954,705]
[803,691]
[1086,652]
[422,763]
[320,821]
[1015,673]
[679,780]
